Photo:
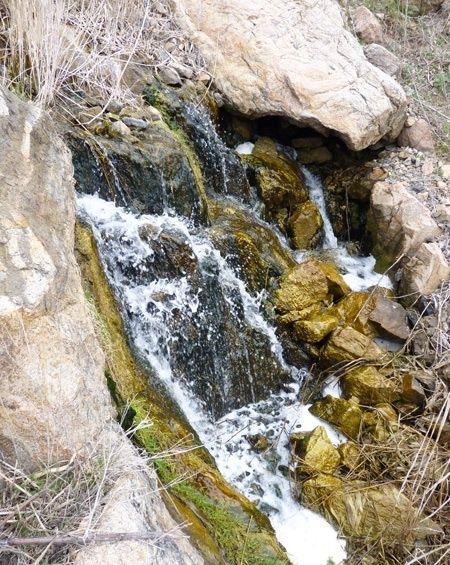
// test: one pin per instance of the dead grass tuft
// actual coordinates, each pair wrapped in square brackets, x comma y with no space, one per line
[49,47]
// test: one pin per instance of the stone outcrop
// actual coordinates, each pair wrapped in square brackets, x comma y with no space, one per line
[269,57]
[55,400]
[402,229]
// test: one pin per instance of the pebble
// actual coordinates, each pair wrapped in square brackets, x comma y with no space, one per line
[135,123]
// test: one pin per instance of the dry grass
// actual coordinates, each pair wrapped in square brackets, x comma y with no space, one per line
[49,47]
[422,43]
[46,516]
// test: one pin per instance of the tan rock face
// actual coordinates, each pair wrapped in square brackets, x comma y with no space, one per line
[399,222]
[418,135]
[297,60]
[50,362]
[425,271]
[54,398]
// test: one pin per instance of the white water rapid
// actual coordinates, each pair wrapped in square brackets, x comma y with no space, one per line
[149,307]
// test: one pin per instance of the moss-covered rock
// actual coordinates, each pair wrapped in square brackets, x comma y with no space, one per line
[313,452]
[344,414]
[277,177]
[369,386]
[250,247]
[149,173]
[226,527]
[309,283]
[305,225]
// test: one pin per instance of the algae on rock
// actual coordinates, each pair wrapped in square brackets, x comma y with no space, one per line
[226,527]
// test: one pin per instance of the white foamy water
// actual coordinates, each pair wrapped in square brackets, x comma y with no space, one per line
[358,272]
[307,537]
[245,148]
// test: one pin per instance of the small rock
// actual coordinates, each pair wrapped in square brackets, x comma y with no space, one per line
[383,59]
[350,455]
[204,77]
[314,452]
[390,317]
[428,167]
[444,170]
[344,414]
[368,28]
[410,121]
[153,114]
[114,107]
[419,136]
[413,391]
[120,129]
[169,76]
[305,225]
[135,123]
[219,99]
[183,70]
[259,442]
[442,213]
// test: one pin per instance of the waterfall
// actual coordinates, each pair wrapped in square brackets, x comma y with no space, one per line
[192,318]
[358,272]
[153,303]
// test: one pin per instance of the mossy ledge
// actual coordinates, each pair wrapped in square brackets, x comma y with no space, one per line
[226,527]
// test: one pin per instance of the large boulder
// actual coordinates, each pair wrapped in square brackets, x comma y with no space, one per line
[55,402]
[296,60]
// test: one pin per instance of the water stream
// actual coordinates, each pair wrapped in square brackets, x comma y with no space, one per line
[192,317]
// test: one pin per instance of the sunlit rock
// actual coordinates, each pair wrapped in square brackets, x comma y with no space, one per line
[345,415]
[313,452]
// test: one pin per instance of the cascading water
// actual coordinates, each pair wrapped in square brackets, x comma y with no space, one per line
[193,319]
[153,306]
